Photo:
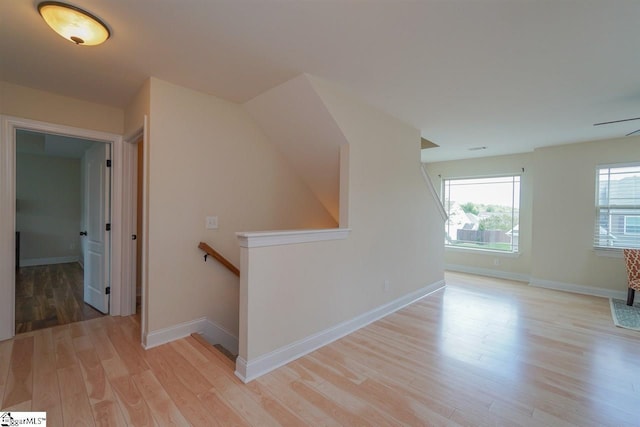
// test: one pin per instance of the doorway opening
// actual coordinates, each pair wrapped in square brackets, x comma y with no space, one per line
[134,225]
[62,225]
[122,296]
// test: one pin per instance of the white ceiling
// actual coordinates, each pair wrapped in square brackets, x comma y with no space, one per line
[510,75]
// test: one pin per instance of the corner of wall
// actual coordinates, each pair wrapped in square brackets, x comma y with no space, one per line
[137,108]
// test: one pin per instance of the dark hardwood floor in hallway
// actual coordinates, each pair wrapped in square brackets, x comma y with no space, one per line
[50,295]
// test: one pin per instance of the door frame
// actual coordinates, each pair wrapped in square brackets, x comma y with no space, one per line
[8,127]
[129,226]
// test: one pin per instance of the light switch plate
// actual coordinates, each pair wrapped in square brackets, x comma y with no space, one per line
[211,223]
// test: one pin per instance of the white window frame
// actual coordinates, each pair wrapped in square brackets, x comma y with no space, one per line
[632,210]
[454,247]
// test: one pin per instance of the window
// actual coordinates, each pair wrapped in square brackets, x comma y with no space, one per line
[484,213]
[618,207]
[631,224]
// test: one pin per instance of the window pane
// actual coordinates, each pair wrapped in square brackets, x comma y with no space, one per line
[483,213]
[631,224]
[619,186]
[618,207]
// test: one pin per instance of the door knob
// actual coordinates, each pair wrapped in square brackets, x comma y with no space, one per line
[83,233]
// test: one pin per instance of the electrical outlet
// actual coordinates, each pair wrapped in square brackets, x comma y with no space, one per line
[496,261]
[386,285]
[211,223]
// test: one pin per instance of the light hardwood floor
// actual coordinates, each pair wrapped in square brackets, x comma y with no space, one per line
[481,352]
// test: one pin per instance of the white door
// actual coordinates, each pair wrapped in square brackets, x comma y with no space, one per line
[97,216]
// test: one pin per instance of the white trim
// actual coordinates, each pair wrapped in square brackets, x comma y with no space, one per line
[577,289]
[144,262]
[434,193]
[215,333]
[129,206]
[242,370]
[608,252]
[250,370]
[288,237]
[7,229]
[8,127]
[499,274]
[175,332]
[520,173]
[31,262]
[479,251]
[343,209]
[210,330]
[538,283]
[616,165]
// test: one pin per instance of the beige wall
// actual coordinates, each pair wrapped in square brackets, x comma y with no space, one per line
[564,213]
[47,206]
[396,236]
[558,207]
[298,124]
[508,266]
[136,109]
[207,157]
[27,103]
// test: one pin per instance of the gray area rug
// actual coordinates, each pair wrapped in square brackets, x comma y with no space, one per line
[625,316]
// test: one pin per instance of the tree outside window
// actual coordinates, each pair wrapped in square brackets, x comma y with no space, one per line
[483,212]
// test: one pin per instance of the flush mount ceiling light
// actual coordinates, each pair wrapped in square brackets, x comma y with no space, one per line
[74,24]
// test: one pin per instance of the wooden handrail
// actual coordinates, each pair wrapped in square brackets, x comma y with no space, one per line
[210,251]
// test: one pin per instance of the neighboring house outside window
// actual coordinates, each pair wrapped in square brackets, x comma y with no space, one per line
[617,207]
[632,224]
[483,212]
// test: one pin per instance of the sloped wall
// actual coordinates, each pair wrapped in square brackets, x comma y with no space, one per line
[297,123]
[208,157]
[396,236]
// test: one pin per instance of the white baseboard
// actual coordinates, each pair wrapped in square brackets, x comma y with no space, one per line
[175,332]
[217,334]
[577,289]
[252,369]
[500,274]
[31,262]
[539,283]
[210,330]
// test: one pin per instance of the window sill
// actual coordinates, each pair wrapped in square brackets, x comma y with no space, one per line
[608,252]
[482,252]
